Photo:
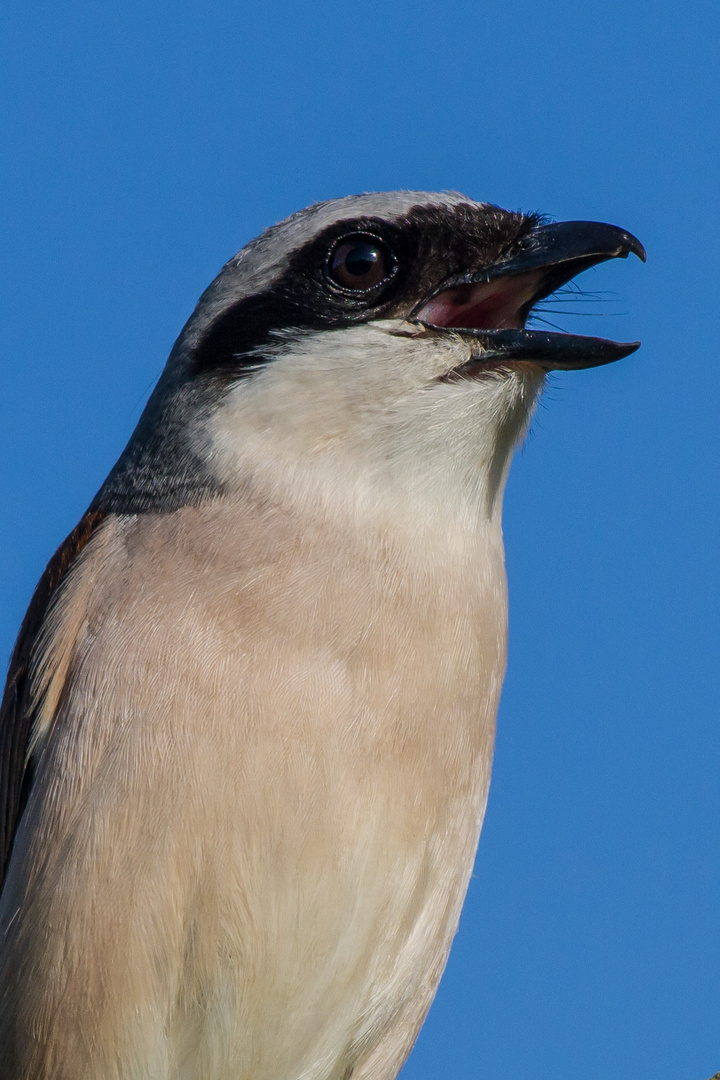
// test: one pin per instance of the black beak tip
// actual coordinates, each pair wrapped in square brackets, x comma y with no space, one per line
[632,246]
[628,348]
[576,353]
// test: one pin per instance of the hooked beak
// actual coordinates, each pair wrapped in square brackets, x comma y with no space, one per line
[492,305]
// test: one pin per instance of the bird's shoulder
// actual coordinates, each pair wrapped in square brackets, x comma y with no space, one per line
[17,711]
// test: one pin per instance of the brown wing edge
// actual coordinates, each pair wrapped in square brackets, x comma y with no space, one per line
[16,714]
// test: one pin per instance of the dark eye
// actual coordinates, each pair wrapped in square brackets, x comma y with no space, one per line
[359,263]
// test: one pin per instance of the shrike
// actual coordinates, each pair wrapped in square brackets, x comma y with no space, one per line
[248,726]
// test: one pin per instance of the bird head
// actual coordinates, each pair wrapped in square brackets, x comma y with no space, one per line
[375,343]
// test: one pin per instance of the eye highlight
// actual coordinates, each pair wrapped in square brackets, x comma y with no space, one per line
[360,263]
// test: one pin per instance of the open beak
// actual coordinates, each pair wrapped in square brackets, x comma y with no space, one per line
[492,305]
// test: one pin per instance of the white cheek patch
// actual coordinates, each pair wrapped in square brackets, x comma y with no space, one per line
[337,385]
[361,413]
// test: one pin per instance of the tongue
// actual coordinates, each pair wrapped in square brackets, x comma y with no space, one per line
[485,305]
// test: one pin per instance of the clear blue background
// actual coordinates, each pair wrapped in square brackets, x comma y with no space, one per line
[144,142]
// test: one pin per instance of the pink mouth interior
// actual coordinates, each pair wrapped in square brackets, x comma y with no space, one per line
[485,305]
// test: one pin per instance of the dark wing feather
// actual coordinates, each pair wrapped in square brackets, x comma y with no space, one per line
[16,712]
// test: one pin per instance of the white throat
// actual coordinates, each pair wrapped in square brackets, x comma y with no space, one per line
[358,419]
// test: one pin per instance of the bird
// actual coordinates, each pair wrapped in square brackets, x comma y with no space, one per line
[247,731]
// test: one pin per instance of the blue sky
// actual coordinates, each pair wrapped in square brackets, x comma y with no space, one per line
[145,142]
